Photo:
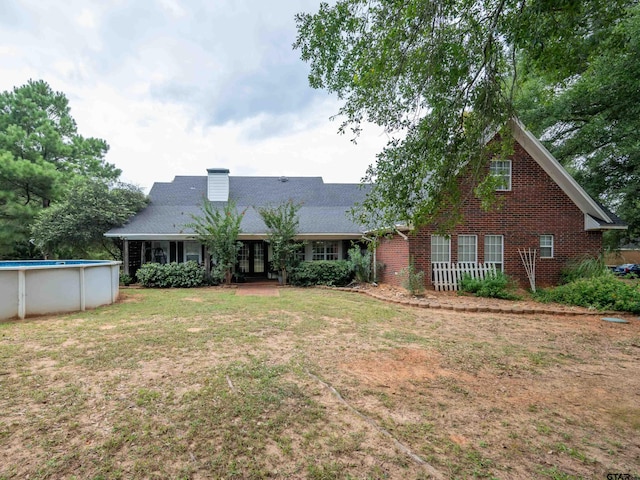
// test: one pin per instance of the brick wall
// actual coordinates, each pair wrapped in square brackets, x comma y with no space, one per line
[535,206]
[394,254]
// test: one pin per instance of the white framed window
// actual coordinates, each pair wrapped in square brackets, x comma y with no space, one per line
[494,250]
[440,248]
[323,250]
[192,251]
[546,246]
[501,169]
[468,248]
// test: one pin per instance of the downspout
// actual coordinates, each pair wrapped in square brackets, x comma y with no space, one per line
[402,235]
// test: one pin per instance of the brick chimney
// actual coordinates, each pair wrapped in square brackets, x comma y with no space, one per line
[218,184]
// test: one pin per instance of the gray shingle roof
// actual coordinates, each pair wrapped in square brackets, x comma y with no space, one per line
[616,221]
[323,211]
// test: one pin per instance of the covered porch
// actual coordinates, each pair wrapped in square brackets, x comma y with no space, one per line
[253,258]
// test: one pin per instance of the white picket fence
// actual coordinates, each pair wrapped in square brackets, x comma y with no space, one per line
[447,276]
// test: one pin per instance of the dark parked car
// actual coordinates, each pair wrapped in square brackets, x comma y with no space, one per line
[627,269]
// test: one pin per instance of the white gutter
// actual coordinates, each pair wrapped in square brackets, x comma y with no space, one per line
[242,236]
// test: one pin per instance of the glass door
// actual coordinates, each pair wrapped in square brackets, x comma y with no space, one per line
[244,257]
[258,257]
[252,261]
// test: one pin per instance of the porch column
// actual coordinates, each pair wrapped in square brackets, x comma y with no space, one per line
[125,256]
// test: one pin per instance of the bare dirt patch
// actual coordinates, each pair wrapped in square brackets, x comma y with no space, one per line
[396,369]
[128,296]
[193,299]
[258,290]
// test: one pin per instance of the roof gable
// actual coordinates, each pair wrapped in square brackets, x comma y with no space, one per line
[558,174]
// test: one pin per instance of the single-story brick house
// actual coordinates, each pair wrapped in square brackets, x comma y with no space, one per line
[542,207]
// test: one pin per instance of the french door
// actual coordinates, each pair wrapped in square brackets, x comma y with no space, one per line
[252,259]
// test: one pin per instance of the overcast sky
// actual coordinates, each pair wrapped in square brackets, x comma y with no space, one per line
[176,87]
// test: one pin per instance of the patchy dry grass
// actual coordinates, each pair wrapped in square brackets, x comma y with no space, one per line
[205,384]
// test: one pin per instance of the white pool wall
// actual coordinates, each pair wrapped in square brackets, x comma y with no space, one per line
[45,289]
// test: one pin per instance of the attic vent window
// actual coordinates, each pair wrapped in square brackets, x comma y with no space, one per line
[283,179]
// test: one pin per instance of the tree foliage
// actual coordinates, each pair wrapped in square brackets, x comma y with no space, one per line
[591,122]
[440,76]
[41,153]
[77,223]
[218,229]
[282,223]
[361,263]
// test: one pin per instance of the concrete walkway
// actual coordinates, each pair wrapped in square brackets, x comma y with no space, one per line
[258,289]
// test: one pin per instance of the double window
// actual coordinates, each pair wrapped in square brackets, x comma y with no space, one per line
[501,170]
[321,250]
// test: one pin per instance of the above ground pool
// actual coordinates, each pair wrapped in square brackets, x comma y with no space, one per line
[39,287]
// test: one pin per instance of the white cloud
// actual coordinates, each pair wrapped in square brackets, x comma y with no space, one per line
[172,7]
[154,142]
[178,87]
[86,18]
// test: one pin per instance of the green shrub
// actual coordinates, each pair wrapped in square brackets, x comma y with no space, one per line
[178,275]
[323,272]
[497,285]
[360,264]
[412,280]
[601,293]
[585,267]
[125,279]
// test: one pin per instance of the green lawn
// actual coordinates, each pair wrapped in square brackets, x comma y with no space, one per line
[202,383]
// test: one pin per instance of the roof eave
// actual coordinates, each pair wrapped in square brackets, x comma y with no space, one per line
[592,224]
[242,236]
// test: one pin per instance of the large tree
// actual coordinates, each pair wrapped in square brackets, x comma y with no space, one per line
[441,77]
[592,122]
[41,152]
[75,226]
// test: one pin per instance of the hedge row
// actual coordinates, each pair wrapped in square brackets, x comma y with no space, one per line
[323,272]
[178,275]
[190,274]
